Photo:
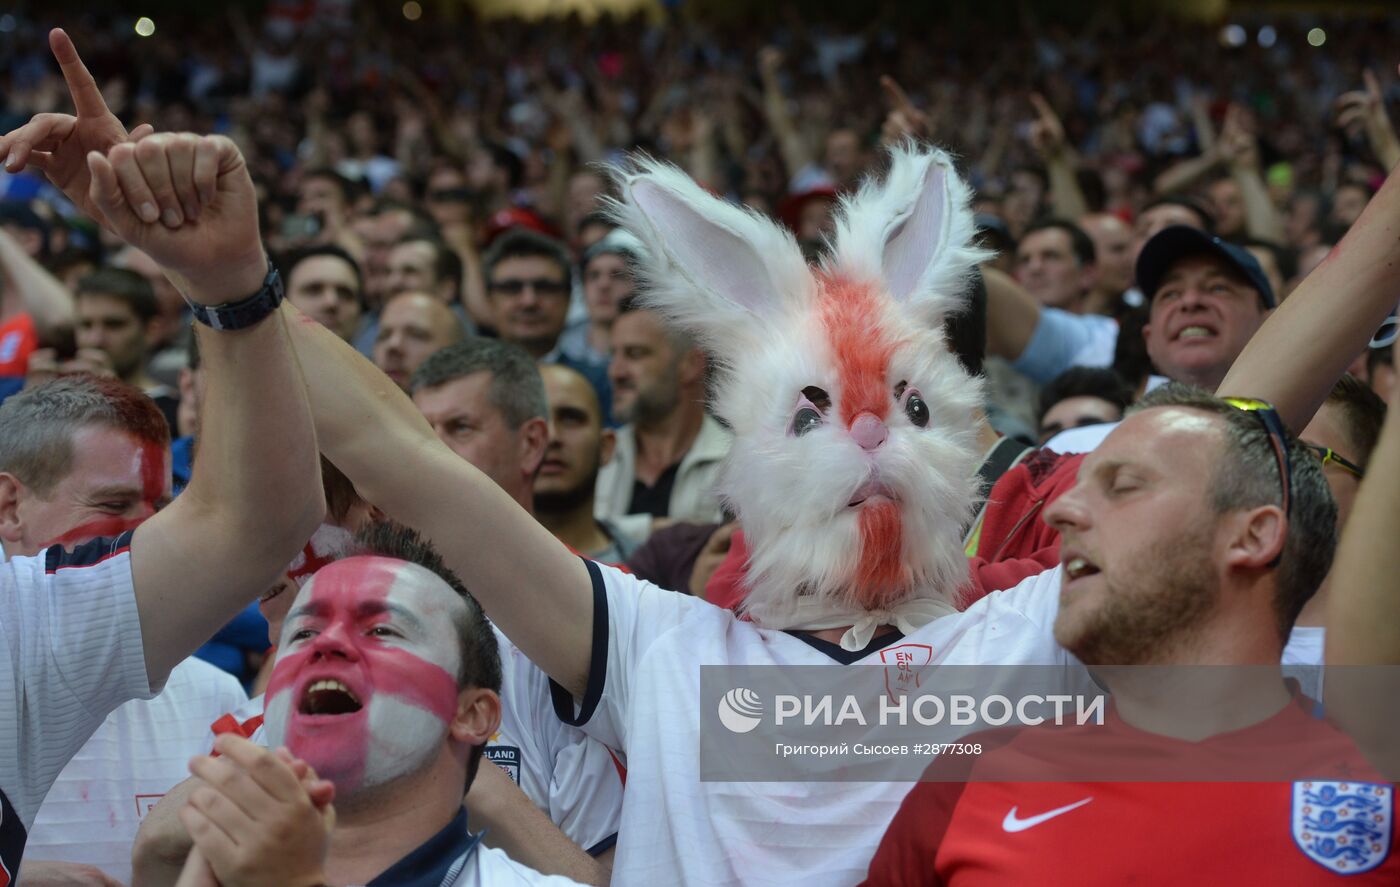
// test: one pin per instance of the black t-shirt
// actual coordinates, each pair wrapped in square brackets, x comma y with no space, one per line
[654,500]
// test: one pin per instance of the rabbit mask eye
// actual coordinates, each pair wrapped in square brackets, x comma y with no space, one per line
[813,403]
[914,406]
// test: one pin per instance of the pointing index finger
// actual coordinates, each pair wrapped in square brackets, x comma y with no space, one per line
[87,98]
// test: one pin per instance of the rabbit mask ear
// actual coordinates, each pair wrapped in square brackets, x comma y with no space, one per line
[712,268]
[913,231]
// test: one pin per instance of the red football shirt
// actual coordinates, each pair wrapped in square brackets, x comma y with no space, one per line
[17,341]
[968,834]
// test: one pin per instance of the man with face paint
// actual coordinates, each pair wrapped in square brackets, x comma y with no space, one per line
[117,475]
[387,686]
[84,630]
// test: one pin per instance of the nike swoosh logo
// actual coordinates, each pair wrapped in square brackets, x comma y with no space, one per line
[1014,824]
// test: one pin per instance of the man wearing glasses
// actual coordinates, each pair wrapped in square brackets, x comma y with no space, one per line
[528,285]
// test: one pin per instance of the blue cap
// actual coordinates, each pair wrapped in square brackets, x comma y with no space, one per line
[1172,244]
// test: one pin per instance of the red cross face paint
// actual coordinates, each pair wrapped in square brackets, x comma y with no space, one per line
[116,483]
[366,680]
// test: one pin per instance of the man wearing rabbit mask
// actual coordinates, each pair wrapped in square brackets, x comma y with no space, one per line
[854,399]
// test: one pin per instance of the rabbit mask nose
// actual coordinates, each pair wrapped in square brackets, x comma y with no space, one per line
[869,431]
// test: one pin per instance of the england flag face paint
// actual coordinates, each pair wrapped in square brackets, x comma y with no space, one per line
[366,678]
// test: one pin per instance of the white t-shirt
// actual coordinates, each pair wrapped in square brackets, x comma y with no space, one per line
[96,804]
[677,829]
[570,776]
[70,653]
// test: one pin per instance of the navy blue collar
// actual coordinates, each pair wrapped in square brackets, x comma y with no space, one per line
[429,864]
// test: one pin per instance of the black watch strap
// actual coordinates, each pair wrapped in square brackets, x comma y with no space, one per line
[245,312]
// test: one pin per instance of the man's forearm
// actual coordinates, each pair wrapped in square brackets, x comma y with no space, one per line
[40,294]
[254,500]
[1363,608]
[1012,315]
[1184,174]
[525,579]
[1066,198]
[514,824]
[1308,342]
[1261,218]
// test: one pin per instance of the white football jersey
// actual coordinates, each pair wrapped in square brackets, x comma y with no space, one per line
[141,750]
[70,653]
[677,829]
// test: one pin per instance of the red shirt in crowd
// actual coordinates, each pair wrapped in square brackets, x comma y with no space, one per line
[1310,831]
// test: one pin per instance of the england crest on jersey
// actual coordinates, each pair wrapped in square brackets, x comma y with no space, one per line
[1344,826]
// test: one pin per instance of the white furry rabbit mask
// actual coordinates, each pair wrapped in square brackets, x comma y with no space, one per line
[853,465]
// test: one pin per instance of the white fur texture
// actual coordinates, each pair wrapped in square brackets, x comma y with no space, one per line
[738,282]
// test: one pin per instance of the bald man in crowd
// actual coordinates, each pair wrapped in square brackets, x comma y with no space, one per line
[412,326]
[579,446]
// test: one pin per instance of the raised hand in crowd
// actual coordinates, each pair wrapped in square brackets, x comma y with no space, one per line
[1364,110]
[1047,136]
[904,119]
[58,144]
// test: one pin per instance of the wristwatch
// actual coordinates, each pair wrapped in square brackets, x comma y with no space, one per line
[245,312]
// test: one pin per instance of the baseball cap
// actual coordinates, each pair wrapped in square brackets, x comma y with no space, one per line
[1179,241]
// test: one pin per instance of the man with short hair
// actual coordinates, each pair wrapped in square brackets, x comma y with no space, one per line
[425,265]
[607,280]
[387,685]
[579,445]
[1082,396]
[669,449]
[87,629]
[88,820]
[324,283]
[116,309]
[528,286]
[1190,539]
[1113,260]
[1055,263]
[485,400]
[413,326]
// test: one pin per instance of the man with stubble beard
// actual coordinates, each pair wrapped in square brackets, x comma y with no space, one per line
[669,449]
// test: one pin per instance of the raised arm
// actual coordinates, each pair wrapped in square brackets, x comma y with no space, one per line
[797,156]
[529,584]
[1363,608]
[41,295]
[1240,149]
[1048,138]
[1366,108]
[256,494]
[255,497]
[1308,342]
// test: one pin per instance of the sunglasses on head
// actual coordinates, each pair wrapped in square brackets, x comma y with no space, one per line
[1278,436]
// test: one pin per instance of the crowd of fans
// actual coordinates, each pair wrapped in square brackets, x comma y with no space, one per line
[433,192]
